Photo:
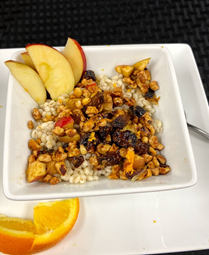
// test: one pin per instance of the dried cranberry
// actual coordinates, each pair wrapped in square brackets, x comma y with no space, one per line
[138,111]
[124,138]
[141,148]
[89,75]
[77,161]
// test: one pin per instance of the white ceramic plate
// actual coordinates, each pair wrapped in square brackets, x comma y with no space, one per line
[102,59]
[121,225]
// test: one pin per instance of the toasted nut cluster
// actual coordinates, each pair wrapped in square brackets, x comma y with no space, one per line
[107,128]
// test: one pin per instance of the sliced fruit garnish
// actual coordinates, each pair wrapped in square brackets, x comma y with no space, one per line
[76,57]
[53,68]
[141,65]
[28,79]
[52,222]
[27,59]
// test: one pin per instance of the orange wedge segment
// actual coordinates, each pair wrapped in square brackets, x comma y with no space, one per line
[16,235]
[52,222]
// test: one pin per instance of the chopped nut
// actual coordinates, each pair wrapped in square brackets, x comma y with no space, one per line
[60,155]
[88,125]
[155,161]
[86,101]
[152,150]
[48,118]
[61,108]
[71,132]
[38,141]
[113,148]
[86,93]
[164,170]
[31,159]
[93,89]
[65,113]
[45,158]
[91,110]
[30,124]
[93,161]
[103,148]
[102,123]
[153,85]
[153,141]
[123,152]
[113,176]
[155,171]
[47,178]
[151,164]
[58,131]
[54,180]
[32,145]
[161,159]
[36,114]
[145,139]
[74,152]
[36,153]
[50,168]
[130,82]
[78,92]
[160,146]
[117,101]
[129,101]
[147,157]
[60,167]
[108,138]
[116,169]
[83,149]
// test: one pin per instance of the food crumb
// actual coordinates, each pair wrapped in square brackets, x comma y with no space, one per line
[74,244]
[154,221]
[162,47]
[26,90]
[1,106]
[102,69]
[108,45]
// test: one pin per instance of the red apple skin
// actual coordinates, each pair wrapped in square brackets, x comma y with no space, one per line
[53,68]
[82,54]
[65,122]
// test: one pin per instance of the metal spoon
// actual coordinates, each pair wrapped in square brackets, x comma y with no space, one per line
[197,130]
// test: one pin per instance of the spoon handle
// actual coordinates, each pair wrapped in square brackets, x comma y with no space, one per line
[199,131]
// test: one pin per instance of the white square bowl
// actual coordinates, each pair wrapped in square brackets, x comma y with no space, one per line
[102,60]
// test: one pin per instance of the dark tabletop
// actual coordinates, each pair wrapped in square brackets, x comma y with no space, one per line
[109,22]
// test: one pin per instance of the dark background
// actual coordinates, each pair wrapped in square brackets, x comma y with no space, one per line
[109,22]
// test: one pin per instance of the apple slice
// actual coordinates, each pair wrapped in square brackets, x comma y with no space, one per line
[36,170]
[53,68]
[65,122]
[76,57]
[28,79]
[141,65]
[27,59]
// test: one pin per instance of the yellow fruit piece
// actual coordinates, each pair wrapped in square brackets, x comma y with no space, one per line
[16,235]
[141,65]
[52,222]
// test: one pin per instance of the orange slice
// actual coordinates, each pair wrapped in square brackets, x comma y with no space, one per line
[52,222]
[16,235]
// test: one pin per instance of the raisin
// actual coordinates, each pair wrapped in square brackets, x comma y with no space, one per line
[121,121]
[138,111]
[89,75]
[124,138]
[110,159]
[64,146]
[104,131]
[141,148]
[150,93]
[77,161]
[97,99]
[130,175]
